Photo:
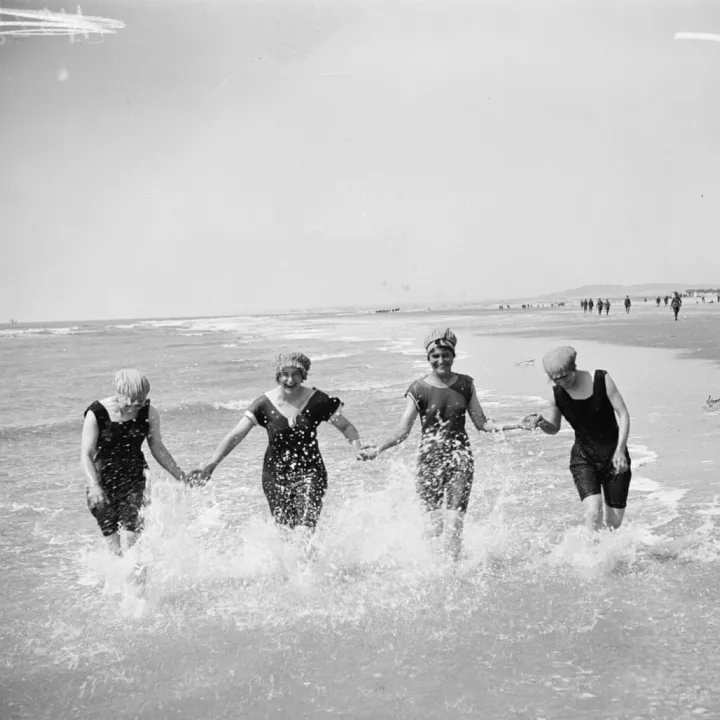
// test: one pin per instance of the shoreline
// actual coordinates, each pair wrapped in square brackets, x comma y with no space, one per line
[694,336]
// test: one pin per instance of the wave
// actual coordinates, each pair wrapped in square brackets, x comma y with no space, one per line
[331,356]
[34,332]
[232,405]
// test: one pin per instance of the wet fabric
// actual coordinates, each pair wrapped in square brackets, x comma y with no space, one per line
[294,476]
[592,476]
[119,459]
[596,439]
[445,461]
[120,466]
[121,511]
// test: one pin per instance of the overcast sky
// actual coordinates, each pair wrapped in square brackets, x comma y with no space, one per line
[222,157]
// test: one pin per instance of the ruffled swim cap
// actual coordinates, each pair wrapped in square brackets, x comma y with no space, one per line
[440,338]
[560,361]
[294,360]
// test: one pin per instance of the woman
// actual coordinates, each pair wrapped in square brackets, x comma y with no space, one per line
[599,459]
[294,478]
[445,461]
[113,433]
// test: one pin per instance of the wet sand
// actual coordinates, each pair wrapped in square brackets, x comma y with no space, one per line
[696,333]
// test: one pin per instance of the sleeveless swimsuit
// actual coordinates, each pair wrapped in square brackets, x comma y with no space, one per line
[596,438]
[294,478]
[121,467]
[445,460]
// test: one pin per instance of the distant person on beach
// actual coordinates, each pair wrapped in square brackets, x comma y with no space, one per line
[600,306]
[666,298]
[583,304]
[445,468]
[627,303]
[607,307]
[676,304]
[113,433]
[599,460]
[591,304]
[657,300]
[294,478]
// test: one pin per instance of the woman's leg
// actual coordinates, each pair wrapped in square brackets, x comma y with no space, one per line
[593,512]
[458,498]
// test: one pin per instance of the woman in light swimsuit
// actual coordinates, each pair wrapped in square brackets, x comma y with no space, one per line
[445,468]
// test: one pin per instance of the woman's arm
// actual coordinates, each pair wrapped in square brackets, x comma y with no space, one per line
[480,421]
[404,428]
[88,448]
[616,400]
[550,425]
[347,429]
[227,445]
[400,434]
[158,449]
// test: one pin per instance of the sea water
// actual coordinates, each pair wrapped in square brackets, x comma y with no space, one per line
[537,620]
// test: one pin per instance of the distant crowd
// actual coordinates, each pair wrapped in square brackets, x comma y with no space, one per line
[675,302]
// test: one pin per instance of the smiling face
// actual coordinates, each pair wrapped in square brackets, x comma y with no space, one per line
[441,360]
[290,378]
[564,380]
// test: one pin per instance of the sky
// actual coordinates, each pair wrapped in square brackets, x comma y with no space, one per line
[218,157]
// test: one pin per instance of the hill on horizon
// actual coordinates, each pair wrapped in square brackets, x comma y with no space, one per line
[642,289]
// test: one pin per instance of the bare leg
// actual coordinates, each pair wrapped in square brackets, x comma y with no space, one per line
[434,523]
[593,512]
[613,517]
[454,522]
[113,543]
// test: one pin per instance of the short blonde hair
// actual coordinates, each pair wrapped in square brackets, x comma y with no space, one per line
[132,384]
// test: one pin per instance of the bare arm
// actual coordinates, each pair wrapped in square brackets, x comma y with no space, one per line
[158,449]
[228,444]
[404,428]
[550,425]
[616,400]
[480,421]
[347,429]
[88,448]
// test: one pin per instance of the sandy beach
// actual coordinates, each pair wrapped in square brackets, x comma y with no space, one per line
[696,333]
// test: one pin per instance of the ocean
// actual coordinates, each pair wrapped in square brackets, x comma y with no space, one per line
[537,621]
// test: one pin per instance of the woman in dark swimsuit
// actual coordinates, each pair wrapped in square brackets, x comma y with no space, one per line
[445,461]
[113,433]
[599,460]
[294,478]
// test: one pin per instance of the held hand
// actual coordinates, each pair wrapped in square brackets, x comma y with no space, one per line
[199,477]
[368,452]
[95,496]
[531,421]
[620,462]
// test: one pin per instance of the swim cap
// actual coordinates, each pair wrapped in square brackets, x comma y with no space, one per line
[560,361]
[294,360]
[440,338]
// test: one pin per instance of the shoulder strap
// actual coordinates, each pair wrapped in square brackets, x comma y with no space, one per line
[101,414]
[599,383]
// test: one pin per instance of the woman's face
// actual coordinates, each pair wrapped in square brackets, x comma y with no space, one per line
[441,360]
[564,380]
[128,406]
[290,378]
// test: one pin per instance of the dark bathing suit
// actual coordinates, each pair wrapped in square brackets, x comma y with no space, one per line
[445,461]
[596,437]
[121,469]
[294,478]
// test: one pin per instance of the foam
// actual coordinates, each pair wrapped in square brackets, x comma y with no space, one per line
[232,405]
